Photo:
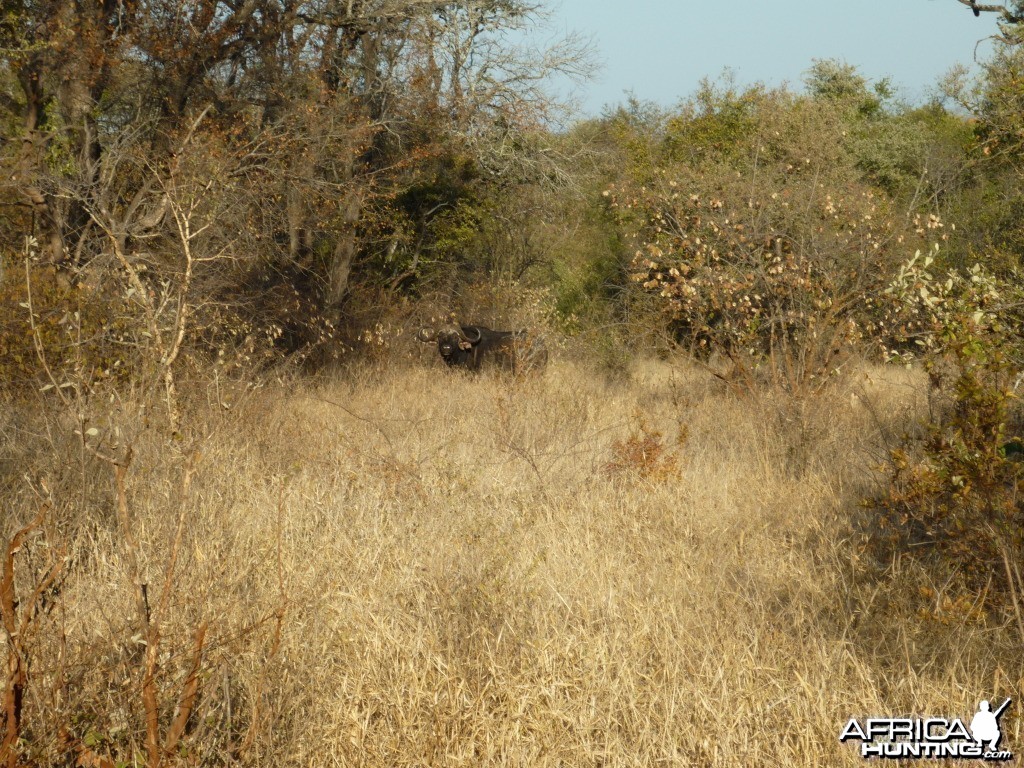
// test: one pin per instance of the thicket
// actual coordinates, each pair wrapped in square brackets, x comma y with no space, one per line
[791,233]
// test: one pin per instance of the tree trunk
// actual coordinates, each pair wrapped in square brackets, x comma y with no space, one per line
[344,249]
[45,221]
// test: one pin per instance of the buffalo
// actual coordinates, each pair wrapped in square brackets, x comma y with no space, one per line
[471,346]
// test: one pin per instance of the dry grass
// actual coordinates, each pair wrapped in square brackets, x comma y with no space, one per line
[469,578]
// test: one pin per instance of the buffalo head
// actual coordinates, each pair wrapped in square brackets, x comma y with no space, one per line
[470,346]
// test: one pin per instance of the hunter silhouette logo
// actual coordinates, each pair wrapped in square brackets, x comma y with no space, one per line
[985,725]
[932,737]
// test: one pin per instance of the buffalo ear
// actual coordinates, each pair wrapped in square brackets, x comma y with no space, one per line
[426,335]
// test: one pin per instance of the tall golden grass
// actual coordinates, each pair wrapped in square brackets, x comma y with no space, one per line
[405,566]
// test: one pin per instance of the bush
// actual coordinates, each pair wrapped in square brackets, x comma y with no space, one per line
[777,246]
[957,506]
[88,331]
[644,455]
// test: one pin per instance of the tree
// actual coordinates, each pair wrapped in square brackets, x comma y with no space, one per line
[322,116]
[767,225]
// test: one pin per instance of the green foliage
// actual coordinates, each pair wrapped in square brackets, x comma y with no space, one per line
[436,216]
[717,123]
[1000,104]
[60,157]
[587,284]
[86,332]
[929,307]
[890,153]
[758,261]
[782,227]
[839,82]
[916,154]
[456,229]
[988,200]
[634,131]
[909,153]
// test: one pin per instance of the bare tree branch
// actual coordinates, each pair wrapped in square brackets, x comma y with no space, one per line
[1002,10]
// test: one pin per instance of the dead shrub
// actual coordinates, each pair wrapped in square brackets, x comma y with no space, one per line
[645,455]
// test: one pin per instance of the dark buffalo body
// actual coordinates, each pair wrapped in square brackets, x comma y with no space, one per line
[472,346]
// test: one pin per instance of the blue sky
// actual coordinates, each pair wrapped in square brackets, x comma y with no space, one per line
[660,49]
